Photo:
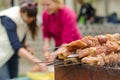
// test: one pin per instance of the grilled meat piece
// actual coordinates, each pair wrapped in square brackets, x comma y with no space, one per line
[98,60]
[90,41]
[106,48]
[102,59]
[76,45]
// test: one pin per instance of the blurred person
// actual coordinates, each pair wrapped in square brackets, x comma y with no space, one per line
[59,23]
[113,18]
[87,14]
[15,22]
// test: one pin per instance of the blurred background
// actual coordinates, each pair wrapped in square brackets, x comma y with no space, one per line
[106,20]
[103,7]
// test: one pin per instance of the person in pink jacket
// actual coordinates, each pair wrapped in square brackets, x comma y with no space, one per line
[59,23]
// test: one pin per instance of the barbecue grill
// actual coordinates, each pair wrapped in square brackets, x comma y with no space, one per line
[98,59]
[87,72]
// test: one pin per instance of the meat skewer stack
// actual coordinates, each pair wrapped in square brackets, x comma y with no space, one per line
[97,50]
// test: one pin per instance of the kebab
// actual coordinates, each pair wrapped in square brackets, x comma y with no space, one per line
[90,49]
[107,48]
[86,42]
[102,59]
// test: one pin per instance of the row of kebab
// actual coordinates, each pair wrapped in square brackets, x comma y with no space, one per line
[93,50]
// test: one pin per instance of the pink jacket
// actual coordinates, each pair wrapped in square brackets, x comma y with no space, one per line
[62,26]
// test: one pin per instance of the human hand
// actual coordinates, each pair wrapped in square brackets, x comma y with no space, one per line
[46,55]
[51,57]
[39,67]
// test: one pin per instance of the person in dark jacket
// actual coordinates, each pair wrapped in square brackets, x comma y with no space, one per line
[87,13]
